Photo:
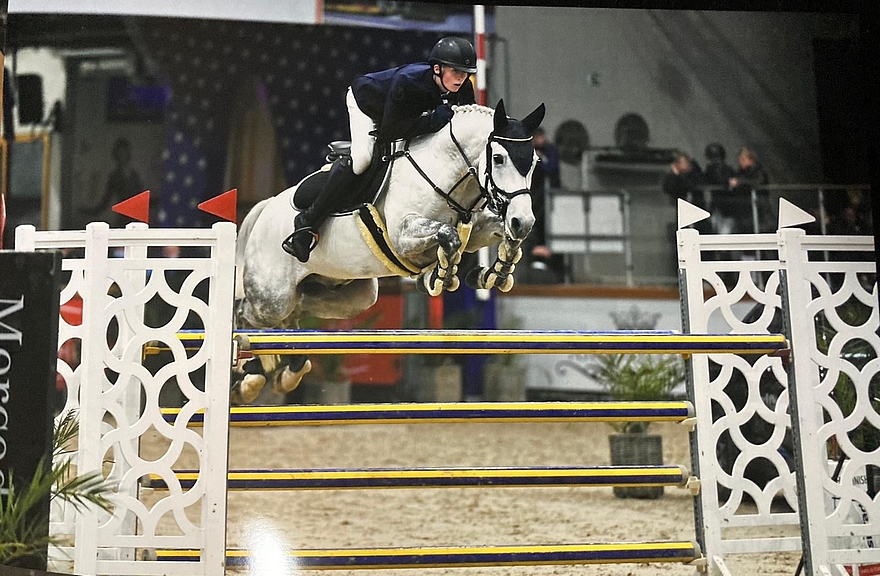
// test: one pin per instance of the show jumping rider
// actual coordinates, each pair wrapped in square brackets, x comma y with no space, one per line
[398,103]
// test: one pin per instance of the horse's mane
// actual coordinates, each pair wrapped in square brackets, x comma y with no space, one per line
[468,108]
[474,112]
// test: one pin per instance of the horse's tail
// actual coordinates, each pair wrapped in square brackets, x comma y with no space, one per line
[244,231]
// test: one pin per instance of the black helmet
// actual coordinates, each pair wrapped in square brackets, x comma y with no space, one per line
[456,53]
[715,151]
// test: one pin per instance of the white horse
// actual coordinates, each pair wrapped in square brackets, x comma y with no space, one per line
[462,188]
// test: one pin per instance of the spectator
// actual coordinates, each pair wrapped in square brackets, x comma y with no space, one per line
[750,176]
[684,180]
[123,183]
[854,217]
[718,171]
[545,176]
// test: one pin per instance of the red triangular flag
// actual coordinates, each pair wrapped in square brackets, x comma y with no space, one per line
[136,207]
[224,205]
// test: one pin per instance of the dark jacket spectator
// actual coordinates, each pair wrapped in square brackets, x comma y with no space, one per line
[750,176]
[545,176]
[718,172]
[684,180]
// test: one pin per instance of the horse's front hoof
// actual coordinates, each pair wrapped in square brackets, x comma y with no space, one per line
[288,380]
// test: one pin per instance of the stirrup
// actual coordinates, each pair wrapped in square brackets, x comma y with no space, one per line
[290,244]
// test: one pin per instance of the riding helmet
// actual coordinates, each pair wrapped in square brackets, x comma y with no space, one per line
[715,152]
[456,53]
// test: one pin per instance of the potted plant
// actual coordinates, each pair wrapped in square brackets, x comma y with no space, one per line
[637,378]
[23,537]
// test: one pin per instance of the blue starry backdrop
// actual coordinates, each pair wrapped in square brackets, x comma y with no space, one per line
[289,80]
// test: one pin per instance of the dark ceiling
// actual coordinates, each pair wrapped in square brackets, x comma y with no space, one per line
[67,31]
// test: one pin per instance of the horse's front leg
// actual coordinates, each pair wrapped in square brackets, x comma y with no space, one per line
[418,235]
[500,274]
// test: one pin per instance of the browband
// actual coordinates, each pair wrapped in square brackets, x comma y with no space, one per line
[511,139]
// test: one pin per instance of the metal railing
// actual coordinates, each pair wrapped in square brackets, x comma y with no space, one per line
[575,237]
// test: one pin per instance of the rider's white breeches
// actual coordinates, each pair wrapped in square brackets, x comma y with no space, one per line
[361,142]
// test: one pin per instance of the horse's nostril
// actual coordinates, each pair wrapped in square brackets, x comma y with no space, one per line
[515,225]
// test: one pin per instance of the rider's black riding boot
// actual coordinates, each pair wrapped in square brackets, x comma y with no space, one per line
[305,236]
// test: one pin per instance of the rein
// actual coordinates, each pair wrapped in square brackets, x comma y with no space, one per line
[495,198]
[464,212]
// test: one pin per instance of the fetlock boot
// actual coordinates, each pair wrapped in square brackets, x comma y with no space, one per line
[335,194]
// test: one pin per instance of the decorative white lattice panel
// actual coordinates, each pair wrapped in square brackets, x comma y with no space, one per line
[742,446]
[834,325]
[119,391]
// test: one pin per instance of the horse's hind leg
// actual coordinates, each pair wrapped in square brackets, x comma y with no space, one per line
[245,390]
[295,367]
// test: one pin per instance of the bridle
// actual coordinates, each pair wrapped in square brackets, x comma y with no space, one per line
[492,196]
[497,198]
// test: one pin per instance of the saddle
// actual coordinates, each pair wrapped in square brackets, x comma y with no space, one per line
[368,184]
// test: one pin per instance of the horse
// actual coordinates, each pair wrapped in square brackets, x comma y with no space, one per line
[459,189]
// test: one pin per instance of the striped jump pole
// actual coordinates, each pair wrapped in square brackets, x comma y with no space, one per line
[475,556]
[492,342]
[448,412]
[483,477]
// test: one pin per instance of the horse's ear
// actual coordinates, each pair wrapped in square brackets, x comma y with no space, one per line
[533,120]
[500,116]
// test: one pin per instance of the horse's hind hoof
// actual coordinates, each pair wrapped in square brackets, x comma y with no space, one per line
[288,380]
[247,389]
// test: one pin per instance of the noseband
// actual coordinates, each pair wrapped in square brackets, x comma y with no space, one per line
[495,198]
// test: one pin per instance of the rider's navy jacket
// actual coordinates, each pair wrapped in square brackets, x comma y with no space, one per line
[401,100]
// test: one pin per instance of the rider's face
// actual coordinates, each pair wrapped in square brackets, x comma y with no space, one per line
[450,78]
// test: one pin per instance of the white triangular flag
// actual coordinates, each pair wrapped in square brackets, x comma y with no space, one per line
[689,214]
[790,215]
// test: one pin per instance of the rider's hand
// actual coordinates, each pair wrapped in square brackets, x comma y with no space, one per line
[442,114]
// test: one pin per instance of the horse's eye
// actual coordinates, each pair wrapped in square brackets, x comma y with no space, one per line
[498,159]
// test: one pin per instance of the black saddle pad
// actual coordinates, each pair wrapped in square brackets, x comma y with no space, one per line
[367,184]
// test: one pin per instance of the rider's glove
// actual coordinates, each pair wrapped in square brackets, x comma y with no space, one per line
[442,114]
